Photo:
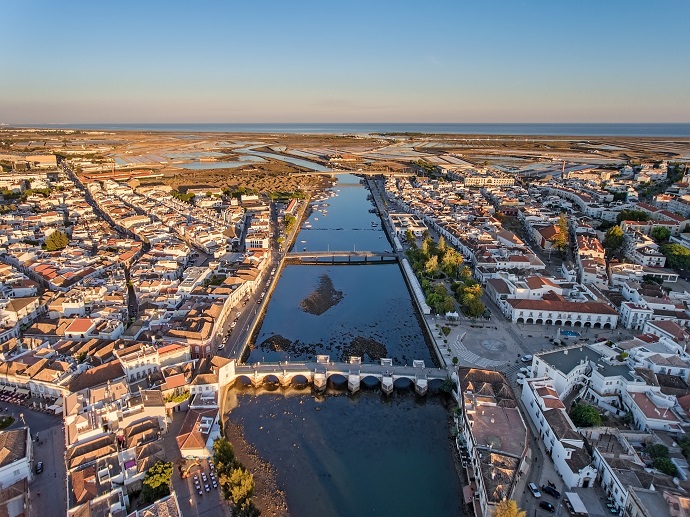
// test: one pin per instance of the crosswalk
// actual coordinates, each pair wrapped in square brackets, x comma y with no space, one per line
[468,358]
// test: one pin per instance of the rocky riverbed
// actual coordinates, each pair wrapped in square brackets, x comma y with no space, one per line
[268,497]
[323,298]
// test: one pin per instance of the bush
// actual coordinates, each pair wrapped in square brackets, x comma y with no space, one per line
[445,330]
[156,483]
[666,466]
[583,415]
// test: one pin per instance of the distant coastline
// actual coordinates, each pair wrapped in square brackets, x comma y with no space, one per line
[539,129]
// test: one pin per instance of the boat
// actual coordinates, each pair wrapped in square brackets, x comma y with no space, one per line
[303,242]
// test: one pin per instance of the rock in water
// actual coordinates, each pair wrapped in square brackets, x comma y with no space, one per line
[323,298]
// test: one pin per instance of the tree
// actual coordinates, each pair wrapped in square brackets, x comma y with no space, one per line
[583,415]
[632,215]
[657,450]
[409,236]
[660,234]
[507,508]
[560,241]
[665,465]
[677,256]
[431,266]
[241,486]
[451,262]
[156,482]
[56,241]
[441,246]
[613,241]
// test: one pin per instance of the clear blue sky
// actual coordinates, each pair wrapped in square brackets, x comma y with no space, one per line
[344,61]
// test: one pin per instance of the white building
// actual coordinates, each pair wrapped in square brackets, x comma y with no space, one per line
[15,462]
[563,443]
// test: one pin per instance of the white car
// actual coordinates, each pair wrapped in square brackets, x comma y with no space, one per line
[521,376]
[526,371]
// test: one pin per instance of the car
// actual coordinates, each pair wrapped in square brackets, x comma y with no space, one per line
[525,370]
[39,467]
[551,491]
[207,488]
[521,376]
[534,489]
[547,506]
[521,382]
[233,324]
[526,358]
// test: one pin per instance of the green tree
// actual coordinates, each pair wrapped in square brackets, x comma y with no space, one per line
[241,486]
[223,455]
[583,415]
[409,236]
[665,465]
[431,266]
[613,240]
[660,234]
[632,215]
[441,246]
[156,482]
[560,241]
[677,256]
[56,241]
[507,508]
[657,450]
[289,222]
[451,262]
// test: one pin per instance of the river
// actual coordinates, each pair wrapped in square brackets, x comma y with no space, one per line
[366,454]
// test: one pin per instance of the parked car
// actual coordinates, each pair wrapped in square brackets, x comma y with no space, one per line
[547,506]
[551,491]
[526,358]
[521,376]
[39,467]
[534,489]
[525,370]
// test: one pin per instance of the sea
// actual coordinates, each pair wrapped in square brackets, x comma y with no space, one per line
[523,129]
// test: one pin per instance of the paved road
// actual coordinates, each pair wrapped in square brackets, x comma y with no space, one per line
[51,483]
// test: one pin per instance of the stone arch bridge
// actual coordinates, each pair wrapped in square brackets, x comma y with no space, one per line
[318,373]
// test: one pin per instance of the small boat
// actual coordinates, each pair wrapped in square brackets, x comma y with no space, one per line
[303,242]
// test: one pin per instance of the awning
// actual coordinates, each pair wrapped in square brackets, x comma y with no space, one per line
[22,391]
[576,502]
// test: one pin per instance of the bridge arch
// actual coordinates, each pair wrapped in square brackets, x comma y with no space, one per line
[403,383]
[299,381]
[243,380]
[336,380]
[370,382]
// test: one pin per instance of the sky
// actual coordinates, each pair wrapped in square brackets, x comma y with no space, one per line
[297,61]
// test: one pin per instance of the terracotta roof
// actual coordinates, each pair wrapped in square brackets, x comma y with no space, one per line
[12,445]
[80,325]
[84,485]
[97,376]
[563,306]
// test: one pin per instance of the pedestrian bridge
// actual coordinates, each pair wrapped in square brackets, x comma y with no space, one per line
[318,373]
[340,257]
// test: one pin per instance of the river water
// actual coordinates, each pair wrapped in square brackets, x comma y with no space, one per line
[366,454]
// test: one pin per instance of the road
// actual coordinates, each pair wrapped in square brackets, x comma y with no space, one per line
[49,449]
[251,310]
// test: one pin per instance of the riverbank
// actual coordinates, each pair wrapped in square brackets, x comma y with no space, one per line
[268,497]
